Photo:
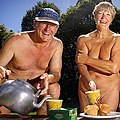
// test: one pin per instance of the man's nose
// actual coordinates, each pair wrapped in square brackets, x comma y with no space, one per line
[47,27]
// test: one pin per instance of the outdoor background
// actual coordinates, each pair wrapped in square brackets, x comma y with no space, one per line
[75,19]
[12,11]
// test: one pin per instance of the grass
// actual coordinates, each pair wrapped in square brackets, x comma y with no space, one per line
[31,113]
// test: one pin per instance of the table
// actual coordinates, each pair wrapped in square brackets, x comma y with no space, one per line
[18,117]
[14,117]
[36,117]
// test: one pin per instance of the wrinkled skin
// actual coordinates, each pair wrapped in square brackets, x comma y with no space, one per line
[35,56]
[97,58]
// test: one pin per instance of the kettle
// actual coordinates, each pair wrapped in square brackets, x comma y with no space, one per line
[19,96]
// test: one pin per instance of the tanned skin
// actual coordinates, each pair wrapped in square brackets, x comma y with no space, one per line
[35,56]
[97,58]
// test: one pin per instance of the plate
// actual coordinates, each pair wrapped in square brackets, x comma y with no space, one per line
[110,115]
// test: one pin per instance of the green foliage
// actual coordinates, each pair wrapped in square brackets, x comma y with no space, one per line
[69,11]
[116,22]
[76,21]
[4,34]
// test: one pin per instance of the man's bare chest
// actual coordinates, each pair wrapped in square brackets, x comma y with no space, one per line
[32,59]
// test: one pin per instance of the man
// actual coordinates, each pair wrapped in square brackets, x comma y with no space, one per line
[35,56]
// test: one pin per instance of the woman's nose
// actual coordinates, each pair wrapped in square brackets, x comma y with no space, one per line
[103,15]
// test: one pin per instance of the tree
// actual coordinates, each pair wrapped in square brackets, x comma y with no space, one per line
[115,24]
[96,1]
[77,20]
[4,34]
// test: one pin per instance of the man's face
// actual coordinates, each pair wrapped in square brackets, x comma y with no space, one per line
[46,30]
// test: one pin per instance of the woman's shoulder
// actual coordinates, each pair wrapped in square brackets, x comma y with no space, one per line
[86,37]
[83,36]
[116,35]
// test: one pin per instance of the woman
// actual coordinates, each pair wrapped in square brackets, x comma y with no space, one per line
[97,58]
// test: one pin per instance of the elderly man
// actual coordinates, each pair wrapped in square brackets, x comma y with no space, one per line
[35,56]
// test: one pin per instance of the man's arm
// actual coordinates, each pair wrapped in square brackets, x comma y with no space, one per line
[6,54]
[56,64]
[53,74]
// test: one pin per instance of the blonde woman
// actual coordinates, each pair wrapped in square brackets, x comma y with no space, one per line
[97,58]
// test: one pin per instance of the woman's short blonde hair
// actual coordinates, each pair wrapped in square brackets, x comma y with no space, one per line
[104,5]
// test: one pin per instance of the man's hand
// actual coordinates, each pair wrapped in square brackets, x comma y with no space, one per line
[4,72]
[43,84]
[81,57]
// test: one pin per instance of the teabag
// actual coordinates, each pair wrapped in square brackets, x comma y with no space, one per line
[92,85]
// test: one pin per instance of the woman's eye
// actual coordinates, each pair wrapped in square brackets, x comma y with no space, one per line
[100,13]
[108,14]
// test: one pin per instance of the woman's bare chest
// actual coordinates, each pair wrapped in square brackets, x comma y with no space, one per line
[101,50]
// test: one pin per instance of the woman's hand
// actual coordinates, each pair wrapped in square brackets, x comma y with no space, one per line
[92,85]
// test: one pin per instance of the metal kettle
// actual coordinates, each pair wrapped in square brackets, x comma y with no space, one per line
[20,97]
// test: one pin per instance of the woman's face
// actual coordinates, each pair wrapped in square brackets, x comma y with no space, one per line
[103,18]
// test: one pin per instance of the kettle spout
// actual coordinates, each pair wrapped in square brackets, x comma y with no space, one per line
[43,100]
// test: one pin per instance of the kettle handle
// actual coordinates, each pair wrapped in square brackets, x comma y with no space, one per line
[38,92]
[6,77]
[43,100]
